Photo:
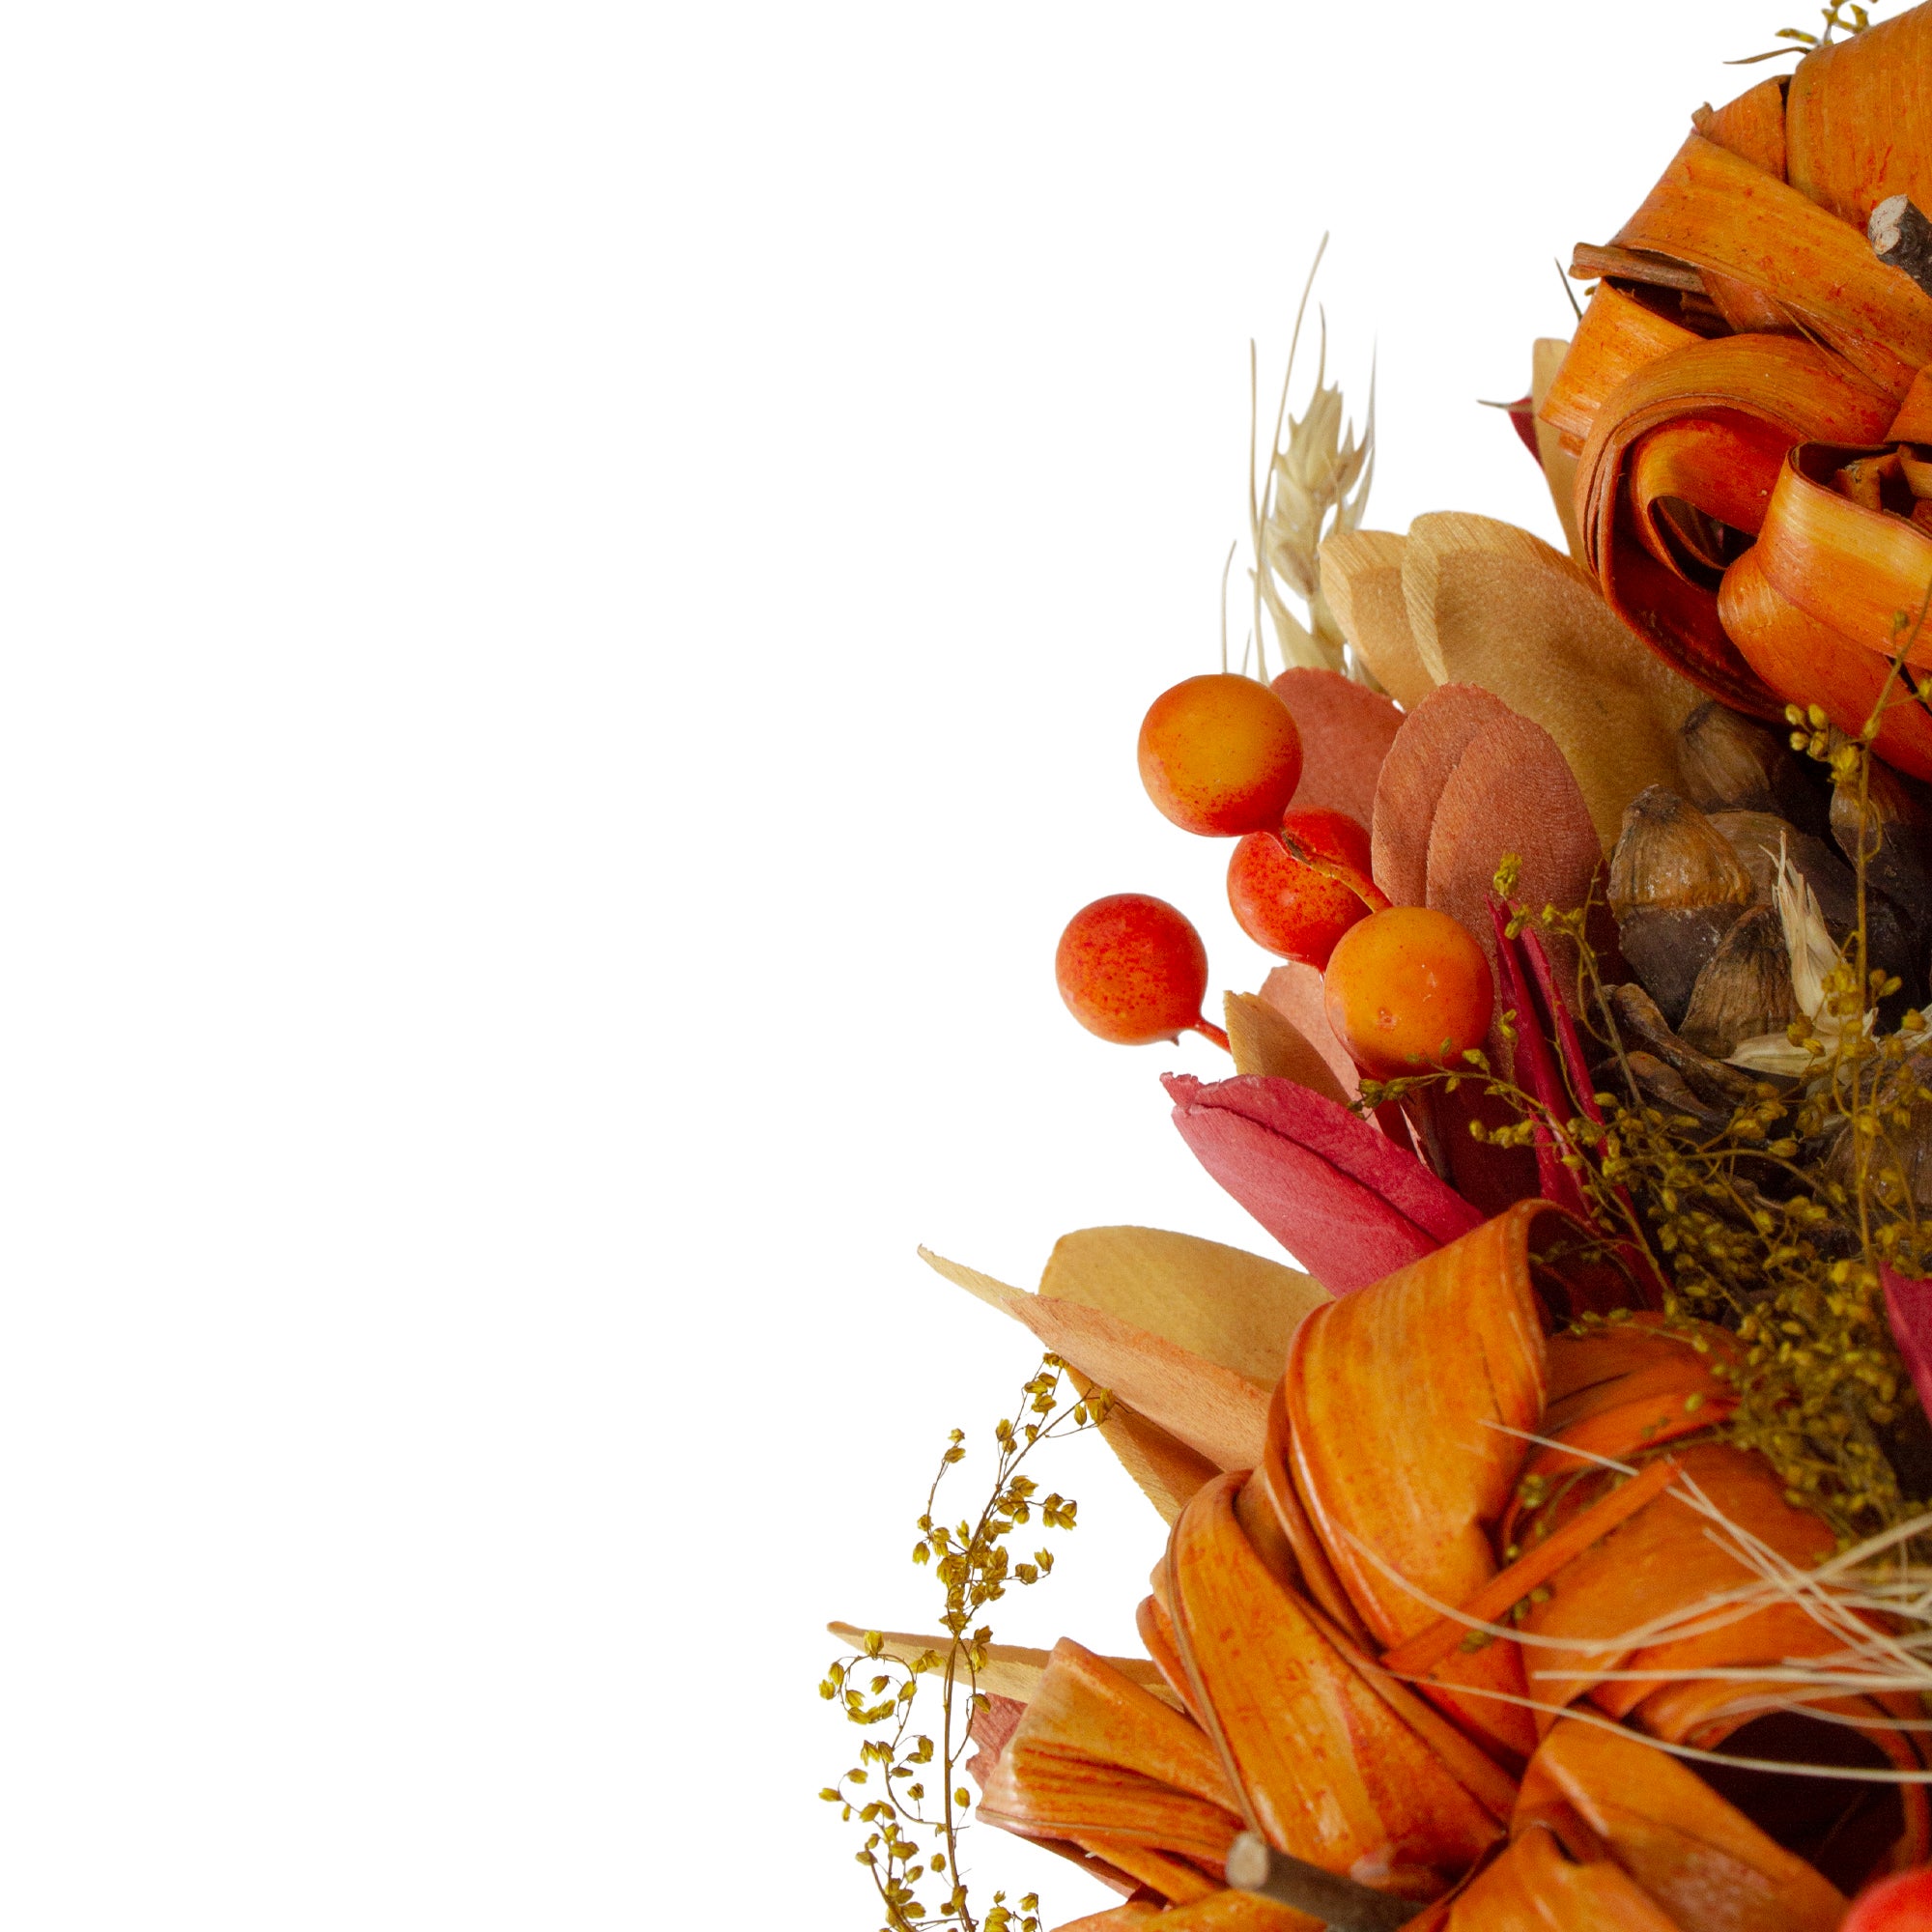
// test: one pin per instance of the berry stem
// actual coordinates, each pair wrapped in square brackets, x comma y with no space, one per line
[1208,1030]
[1364,889]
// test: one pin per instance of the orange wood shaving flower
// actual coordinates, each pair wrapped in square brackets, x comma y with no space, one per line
[1716,406]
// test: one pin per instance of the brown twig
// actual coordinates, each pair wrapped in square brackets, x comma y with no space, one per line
[1901,238]
[1255,1865]
[1589,263]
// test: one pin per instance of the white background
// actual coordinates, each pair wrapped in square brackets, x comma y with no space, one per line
[577,587]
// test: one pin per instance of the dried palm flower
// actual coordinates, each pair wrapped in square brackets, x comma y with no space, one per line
[1316,485]
[1815,969]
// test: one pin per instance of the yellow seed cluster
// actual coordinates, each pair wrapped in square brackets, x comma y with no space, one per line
[910,1839]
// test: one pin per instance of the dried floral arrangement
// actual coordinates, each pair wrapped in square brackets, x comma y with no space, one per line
[1556,1552]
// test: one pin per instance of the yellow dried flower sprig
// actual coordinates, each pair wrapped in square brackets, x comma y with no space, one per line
[1841,16]
[913,1835]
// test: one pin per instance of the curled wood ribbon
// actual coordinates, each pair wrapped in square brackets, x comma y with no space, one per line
[1688,448]
[1705,425]
[1328,1706]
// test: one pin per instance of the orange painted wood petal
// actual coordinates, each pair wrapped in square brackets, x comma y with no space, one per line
[1804,662]
[1328,1771]
[1866,574]
[1392,1409]
[1700,1858]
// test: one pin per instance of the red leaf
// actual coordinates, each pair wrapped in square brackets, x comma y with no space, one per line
[1536,1070]
[1909,1304]
[1569,1042]
[1522,419]
[1343,1199]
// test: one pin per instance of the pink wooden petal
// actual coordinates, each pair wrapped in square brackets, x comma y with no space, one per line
[1536,1070]
[1342,1198]
[1345,732]
[1909,1304]
[1512,791]
[1346,1141]
[1426,749]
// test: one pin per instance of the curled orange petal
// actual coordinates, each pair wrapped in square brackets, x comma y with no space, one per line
[1330,1773]
[1700,1859]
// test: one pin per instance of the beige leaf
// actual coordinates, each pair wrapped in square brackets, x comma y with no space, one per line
[1217,1413]
[1361,582]
[1265,1041]
[1236,1310]
[994,1293]
[1491,604]
[1165,1470]
[1012,1669]
[1294,991]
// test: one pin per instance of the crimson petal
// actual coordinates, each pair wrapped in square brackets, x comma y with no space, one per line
[1909,1304]
[1536,1068]
[1343,1199]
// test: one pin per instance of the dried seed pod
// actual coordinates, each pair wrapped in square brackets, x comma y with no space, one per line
[1669,948]
[1733,763]
[1676,889]
[1669,855]
[1665,1087]
[1895,941]
[1642,1026]
[1746,990]
[1755,837]
[1895,829]
[1906,1151]
[1896,945]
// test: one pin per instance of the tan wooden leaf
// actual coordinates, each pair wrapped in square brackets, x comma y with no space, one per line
[1012,1670]
[1165,1470]
[1361,580]
[1294,991]
[1559,465]
[994,1293]
[1236,1310]
[1491,604]
[1215,1411]
[1265,1040]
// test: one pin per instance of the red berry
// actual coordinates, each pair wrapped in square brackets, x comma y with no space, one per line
[1220,756]
[1407,989]
[1132,969]
[1289,907]
[1901,1903]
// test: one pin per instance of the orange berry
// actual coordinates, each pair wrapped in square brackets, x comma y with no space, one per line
[1289,907]
[1408,988]
[1132,969]
[1897,1904]
[1220,756]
